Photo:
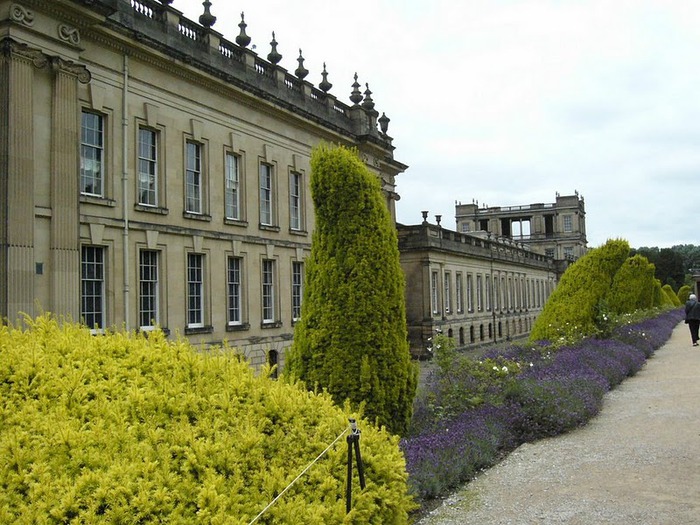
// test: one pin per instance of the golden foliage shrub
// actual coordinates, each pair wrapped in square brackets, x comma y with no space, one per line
[124,428]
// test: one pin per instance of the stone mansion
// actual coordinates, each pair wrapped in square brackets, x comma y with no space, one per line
[154,173]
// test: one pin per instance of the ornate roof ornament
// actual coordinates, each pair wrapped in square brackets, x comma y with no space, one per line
[242,39]
[325,85]
[207,19]
[356,96]
[368,103]
[274,57]
[301,71]
[384,123]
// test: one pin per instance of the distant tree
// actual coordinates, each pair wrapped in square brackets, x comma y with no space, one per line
[669,267]
[673,264]
[572,308]
[690,254]
[352,337]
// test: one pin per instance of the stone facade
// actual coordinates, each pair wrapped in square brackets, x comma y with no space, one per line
[153,172]
[555,229]
[473,289]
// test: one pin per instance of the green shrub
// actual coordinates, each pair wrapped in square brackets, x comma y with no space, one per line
[125,428]
[659,297]
[351,339]
[683,293]
[461,383]
[570,311]
[632,287]
[671,295]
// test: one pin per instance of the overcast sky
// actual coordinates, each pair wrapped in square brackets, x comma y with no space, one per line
[508,102]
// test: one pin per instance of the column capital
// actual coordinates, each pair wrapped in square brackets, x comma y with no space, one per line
[71,68]
[15,50]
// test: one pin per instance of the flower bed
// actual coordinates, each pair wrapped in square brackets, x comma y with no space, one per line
[544,392]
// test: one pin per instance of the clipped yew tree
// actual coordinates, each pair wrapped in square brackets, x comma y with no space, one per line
[633,286]
[352,339]
[683,293]
[672,296]
[124,428]
[572,307]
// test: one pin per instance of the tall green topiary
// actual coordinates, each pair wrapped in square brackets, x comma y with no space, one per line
[683,293]
[351,339]
[659,297]
[632,287]
[572,308]
[675,301]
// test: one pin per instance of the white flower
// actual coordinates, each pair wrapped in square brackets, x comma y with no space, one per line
[505,368]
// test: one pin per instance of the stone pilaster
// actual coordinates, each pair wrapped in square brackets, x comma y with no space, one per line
[17,264]
[65,188]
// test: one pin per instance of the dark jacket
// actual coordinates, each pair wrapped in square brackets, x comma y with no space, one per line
[692,311]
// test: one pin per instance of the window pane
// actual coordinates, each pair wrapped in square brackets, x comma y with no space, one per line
[147,182]
[295,201]
[92,286]
[91,153]
[234,290]
[195,290]
[148,288]
[297,289]
[193,179]
[231,189]
[266,194]
[268,291]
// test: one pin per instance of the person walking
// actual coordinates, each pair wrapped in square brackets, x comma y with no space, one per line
[692,317]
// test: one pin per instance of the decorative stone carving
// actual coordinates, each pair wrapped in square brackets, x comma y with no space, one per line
[274,57]
[242,39]
[301,71]
[21,15]
[36,57]
[80,72]
[69,34]
[356,96]
[325,85]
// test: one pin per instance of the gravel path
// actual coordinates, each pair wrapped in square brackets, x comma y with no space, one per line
[637,462]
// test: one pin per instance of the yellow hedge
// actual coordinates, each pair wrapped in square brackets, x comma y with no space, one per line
[127,429]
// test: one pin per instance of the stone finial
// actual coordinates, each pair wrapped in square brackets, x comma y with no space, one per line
[242,39]
[207,19]
[368,102]
[301,71]
[325,85]
[384,123]
[274,57]
[356,96]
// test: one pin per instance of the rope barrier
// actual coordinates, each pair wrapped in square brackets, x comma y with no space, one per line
[300,475]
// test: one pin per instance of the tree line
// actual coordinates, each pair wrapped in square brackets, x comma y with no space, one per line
[674,264]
